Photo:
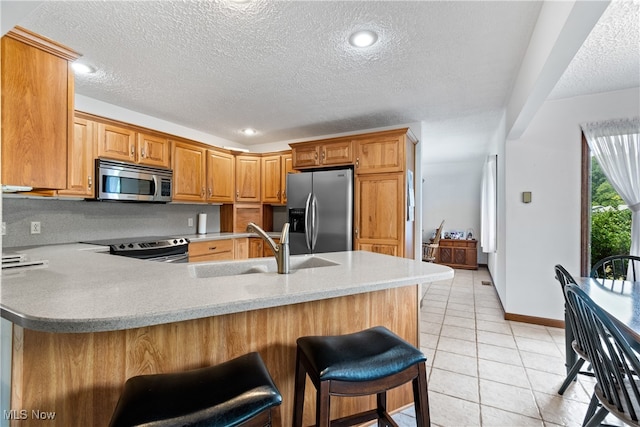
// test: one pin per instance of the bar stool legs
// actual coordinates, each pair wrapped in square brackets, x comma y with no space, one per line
[365,363]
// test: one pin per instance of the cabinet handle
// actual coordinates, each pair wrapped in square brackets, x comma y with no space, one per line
[90,181]
[237,194]
[142,153]
[315,155]
[284,195]
[278,194]
[133,151]
[356,233]
[202,192]
[210,192]
[357,162]
[324,154]
[213,248]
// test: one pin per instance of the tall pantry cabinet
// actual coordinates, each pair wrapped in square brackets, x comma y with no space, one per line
[384,166]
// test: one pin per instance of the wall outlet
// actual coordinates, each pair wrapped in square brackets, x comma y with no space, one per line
[4,228]
[35,227]
[190,222]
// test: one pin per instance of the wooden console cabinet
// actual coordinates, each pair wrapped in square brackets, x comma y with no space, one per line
[458,253]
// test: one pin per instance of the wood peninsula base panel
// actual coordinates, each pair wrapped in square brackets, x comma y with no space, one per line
[80,376]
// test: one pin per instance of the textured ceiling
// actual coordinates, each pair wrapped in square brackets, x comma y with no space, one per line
[609,59]
[287,70]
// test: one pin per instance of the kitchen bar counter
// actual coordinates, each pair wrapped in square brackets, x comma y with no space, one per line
[89,320]
[84,289]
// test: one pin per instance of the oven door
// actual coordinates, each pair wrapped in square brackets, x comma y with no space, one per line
[173,259]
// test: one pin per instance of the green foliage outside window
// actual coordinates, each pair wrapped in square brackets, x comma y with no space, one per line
[610,227]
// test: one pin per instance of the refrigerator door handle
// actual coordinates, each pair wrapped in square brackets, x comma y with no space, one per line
[308,227]
[314,219]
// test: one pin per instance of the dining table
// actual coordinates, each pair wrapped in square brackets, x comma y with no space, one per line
[620,299]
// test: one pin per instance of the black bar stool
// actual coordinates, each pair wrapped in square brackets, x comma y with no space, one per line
[239,392]
[368,362]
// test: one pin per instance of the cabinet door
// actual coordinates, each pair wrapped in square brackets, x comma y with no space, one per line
[153,150]
[80,169]
[271,179]
[256,245]
[188,163]
[337,153]
[37,109]
[247,178]
[287,167]
[116,143]
[377,248]
[220,176]
[380,154]
[379,211]
[305,156]
[241,248]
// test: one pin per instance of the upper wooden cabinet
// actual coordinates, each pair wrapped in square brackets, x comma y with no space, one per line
[322,153]
[189,165]
[152,150]
[37,110]
[248,178]
[125,144]
[80,165]
[220,176]
[271,179]
[382,152]
[274,178]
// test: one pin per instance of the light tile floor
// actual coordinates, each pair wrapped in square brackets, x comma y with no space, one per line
[486,371]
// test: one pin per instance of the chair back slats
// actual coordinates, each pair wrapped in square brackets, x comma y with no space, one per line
[564,277]
[617,267]
[614,363]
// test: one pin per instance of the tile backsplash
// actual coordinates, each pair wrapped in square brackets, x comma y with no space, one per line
[66,221]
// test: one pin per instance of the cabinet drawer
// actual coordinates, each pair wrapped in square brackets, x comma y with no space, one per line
[211,250]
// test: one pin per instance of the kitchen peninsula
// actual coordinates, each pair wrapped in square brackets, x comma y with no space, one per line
[87,321]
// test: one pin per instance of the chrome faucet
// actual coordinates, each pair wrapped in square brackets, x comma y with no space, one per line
[280,250]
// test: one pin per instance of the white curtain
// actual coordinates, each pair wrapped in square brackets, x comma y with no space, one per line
[488,216]
[616,146]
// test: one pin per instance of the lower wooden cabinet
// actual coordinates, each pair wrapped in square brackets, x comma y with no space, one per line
[458,253]
[211,250]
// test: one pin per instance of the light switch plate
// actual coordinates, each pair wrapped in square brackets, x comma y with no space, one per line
[526,197]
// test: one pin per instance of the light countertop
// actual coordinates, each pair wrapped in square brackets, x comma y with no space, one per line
[85,289]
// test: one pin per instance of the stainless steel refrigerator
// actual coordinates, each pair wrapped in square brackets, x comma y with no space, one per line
[320,211]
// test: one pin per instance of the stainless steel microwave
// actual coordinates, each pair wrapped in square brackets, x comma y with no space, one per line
[131,182]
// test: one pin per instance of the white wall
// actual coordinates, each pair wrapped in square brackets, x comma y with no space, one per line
[546,160]
[451,192]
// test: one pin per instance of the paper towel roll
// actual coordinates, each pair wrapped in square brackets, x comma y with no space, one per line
[202,223]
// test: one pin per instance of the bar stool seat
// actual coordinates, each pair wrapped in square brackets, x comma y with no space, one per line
[366,362]
[239,392]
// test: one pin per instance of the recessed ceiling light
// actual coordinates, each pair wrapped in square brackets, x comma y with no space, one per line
[363,38]
[81,68]
[249,131]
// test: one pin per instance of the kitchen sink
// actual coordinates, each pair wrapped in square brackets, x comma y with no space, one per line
[253,266]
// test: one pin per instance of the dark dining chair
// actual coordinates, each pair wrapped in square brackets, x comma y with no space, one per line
[617,389]
[617,267]
[564,277]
